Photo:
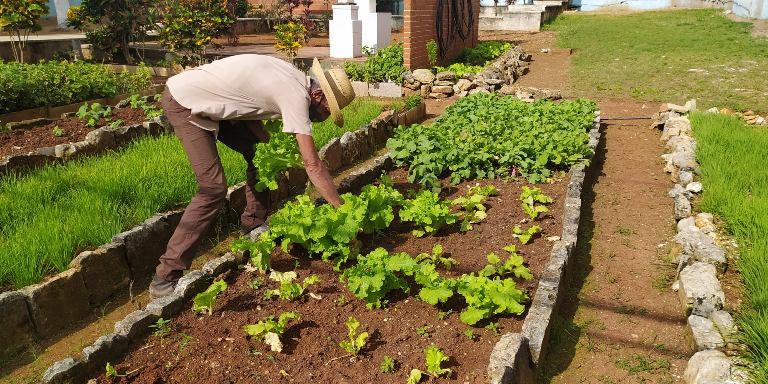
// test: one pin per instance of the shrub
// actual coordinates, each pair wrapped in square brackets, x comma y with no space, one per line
[290,37]
[188,26]
[384,65]
[112,25]
[59,83]
[483,52]
[19,18]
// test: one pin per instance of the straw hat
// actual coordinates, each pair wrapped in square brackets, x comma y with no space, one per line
[336,87]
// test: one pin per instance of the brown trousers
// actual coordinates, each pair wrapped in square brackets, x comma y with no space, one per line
[202,211]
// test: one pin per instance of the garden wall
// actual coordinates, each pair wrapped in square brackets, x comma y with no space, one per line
[420,27]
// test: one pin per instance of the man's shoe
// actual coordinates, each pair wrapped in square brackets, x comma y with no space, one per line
[161,288]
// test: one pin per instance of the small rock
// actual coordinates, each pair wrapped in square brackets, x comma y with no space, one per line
[687,224]
[705,222]
[690,105]
[424,76]
[705,334]
[444,83]
[464,85]
[425,90]
[760,121]
[724,323]
[448,90]
[694,187]
[682,207]
[446,76]
[435,95]
[545,50]
[700,290]
[677,190]
[708,367]
[713,110]
[685,177]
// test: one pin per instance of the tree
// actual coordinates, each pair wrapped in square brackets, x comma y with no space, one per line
[111,26]
[20,18]
[188,26]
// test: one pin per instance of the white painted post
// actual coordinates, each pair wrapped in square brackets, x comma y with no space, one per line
[345,31]
[62,7]
[377,27]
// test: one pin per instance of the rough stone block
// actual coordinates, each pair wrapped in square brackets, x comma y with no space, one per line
[332,155]
[510,361]
[105,271]
[107,348]
[700,290]
[128,133]
[135,325]
[16,329]
[705,335]
[446,89]
[167,306]
[537,325]
[724,323]
[558,261]
[708,367]
[58,303]
[571,218]
[360,177]
[219,265]
[682,207]
[101,138]
[67,371]
[191,284]
[424,76]
[685,177]
[354,147]
[705,222]
[698,246]
[153,127]
[577,181]
[145,244]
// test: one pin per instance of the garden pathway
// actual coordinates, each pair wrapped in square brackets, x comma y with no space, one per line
[619,321]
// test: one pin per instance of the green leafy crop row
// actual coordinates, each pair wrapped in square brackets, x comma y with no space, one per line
[489,136]
[384,65]
[59,83]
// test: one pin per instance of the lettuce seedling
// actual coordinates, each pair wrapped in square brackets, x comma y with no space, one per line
[437,258]
[472,205]
[270,330]
[487,297]
[513,265]
[434,359]
[525,236]
[204,301]
[288,289]
[260,251]
[532,200]
[355,342]
[428,212]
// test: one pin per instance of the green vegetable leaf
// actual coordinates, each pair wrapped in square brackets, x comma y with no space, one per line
[204,301]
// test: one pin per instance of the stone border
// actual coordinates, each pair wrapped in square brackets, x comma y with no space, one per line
[516,356]
[698,256]
[42,310]
[96,142]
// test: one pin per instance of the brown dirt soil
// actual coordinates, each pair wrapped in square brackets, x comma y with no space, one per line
[219,350]
[24,141]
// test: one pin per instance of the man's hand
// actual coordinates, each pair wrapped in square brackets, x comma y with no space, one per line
[316,170]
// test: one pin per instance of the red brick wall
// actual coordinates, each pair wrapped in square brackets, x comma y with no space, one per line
[419,28]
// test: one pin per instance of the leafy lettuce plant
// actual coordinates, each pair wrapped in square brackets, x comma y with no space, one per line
[472,205]
[355,341]
[428,212]
[91,114]
[532,201]
[204,301]
[260,251]
[377,274]
[380,201]
[486,297]
[270,330]
[434,288]
[437,258]
[434,358]
[275,156]
[526,235]
[289,290]
[513,265]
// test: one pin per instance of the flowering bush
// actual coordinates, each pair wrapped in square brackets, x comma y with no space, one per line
[290,37]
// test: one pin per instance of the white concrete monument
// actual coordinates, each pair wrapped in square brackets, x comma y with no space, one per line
[377,27]
[345,31]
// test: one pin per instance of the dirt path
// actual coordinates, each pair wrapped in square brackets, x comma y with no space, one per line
[619,322]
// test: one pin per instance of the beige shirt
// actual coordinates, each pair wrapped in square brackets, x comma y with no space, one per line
[244,87]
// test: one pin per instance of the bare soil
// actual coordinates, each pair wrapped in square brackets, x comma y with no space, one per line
[28,140]
[219,350]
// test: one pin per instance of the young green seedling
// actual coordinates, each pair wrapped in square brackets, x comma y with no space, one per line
[434,359]
[472,205]
[513,265]
[355,342]
[269,330]
[437,258]
[387,365]
[288,289]
[260,250]
[525,236]
[161,328]
[57,132]
[204,301]
[532,200]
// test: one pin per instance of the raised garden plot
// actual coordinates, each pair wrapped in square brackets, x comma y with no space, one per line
[217,346]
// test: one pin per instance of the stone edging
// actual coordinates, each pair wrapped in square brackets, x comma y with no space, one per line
[96,141]
[699,257]
[337,153]
[516,356]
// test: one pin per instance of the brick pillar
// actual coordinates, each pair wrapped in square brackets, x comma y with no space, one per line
[420,26]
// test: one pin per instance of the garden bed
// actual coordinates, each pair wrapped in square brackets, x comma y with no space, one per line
[41,133]
[216,346]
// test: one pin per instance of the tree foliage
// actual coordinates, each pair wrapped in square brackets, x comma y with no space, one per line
[19,18]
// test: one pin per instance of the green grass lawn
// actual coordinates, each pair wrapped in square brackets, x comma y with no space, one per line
[50,214]
[732,157]
[667,56]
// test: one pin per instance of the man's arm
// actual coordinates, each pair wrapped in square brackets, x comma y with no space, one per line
[316,170]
